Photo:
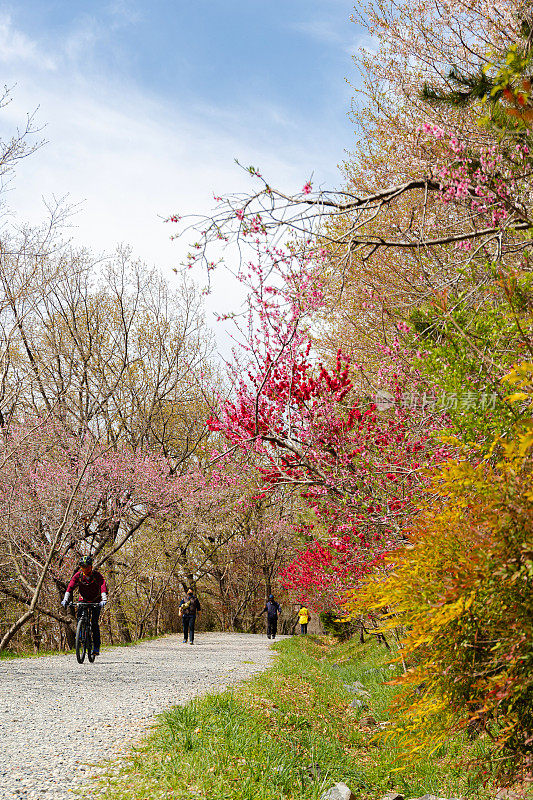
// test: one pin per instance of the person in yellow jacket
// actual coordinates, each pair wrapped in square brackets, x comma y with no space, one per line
[303,619]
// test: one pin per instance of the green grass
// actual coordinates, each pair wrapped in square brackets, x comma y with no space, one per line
[288,733]
[10,654]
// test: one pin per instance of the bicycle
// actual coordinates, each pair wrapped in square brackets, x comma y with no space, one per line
[84,633]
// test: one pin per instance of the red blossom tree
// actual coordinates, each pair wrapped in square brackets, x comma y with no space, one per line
[313,427]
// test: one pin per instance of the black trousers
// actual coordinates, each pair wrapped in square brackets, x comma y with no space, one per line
[188,628]
[303,628]
[272,627]
[94,616]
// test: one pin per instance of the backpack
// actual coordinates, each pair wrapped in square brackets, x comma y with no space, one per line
[272,609]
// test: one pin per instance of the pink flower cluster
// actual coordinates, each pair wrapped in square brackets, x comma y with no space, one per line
[490,181]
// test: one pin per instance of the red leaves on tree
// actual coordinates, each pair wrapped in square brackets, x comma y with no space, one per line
[309,426]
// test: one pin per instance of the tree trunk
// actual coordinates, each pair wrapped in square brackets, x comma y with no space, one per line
[36,635]
[267,572]
[158,616]
[16,627]
[110,629]
[69,634]
[120,616]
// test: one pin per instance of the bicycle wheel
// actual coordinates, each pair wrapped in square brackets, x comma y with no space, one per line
[81,639]
[89,639]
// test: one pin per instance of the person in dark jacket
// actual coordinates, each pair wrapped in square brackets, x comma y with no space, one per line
[92,589]
[272,610]
[188,609]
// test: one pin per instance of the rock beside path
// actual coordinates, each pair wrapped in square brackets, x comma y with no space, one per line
[58,717]
[340,791]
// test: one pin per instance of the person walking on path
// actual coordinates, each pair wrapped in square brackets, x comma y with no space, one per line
[188,609]
[92,588]
[272,610]
[303,619]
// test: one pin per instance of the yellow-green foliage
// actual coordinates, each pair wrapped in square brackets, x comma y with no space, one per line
[460,595]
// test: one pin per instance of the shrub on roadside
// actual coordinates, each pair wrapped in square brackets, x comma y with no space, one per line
[460,597]
[339,628]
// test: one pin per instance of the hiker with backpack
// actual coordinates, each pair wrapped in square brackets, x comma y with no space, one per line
[272,610]
[303,619]
[188,608]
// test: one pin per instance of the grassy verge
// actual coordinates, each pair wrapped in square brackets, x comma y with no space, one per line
[288,733]
[8,655]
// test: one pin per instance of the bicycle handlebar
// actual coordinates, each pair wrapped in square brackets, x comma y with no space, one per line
[82,603]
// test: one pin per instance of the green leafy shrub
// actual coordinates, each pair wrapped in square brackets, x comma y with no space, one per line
[333,626]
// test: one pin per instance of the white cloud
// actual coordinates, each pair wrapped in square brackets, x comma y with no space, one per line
[124,12]
[132,159]
[333,30]
[16,48]
[82,39]
[321,29]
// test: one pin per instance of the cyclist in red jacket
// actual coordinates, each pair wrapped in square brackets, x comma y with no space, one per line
[92,588]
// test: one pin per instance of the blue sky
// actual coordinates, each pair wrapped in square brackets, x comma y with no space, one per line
[291,53]
[147,103]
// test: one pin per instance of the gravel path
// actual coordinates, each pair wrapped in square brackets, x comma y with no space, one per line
[57,717]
